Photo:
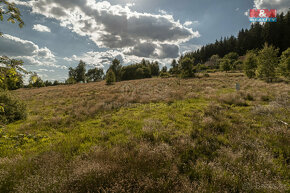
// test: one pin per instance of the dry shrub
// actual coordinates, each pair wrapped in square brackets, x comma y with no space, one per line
[232,99]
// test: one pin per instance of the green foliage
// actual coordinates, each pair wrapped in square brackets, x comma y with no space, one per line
[238,65]
[12,12]
[164,75]
[267,63]
[145,69]
[139,73]
[35,81]
[201,67]
[70,80]
[225,65]
[110,77]
[116,67]
[284,65]
[11,108]
[174,68]
[154,67]
[232,57]
[94,75]
[248,39]
[11,74]
[48,83]
[159,142]
[78,73]
[214,61]
[164,69]
[251,64]
[81,72]
[187,67]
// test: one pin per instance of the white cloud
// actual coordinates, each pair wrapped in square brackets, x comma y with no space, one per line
[18,2]
[98,59]
[280,5]
[189,48]
[14,46]
[41,28]
[117,27]
[237,9]
[44,70]
[191,23]
[104,59]
[162,12]
[188,23]
[27,51]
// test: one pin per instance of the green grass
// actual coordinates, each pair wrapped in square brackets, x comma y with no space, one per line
[203,140]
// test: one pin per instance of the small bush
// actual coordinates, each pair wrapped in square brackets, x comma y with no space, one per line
[265,98]
[12,108]
[110,78]
[164,75]
[247,96]
[206,75]
[233,99]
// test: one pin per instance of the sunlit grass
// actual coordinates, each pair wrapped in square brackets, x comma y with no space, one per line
[168,135]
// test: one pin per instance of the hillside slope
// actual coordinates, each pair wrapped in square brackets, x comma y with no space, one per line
[151,135]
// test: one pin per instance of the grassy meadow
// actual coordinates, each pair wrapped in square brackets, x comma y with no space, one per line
[151,135]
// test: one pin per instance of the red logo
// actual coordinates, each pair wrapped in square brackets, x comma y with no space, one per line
[263,13]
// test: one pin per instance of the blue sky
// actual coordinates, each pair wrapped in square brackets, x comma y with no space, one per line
[59,33]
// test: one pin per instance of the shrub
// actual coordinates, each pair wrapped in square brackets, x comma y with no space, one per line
[284,65]
[225,65]
[267,63]
[164,75]
[206,75]
[265,98]
[187,67]
[233,99]
[110,78]
[12,109]
[250,64]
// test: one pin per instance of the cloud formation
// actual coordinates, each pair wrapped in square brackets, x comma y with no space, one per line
[27,51]
[280,5]
[118,27]
[41,28]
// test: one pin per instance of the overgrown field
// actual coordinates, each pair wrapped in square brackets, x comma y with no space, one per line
[152,135]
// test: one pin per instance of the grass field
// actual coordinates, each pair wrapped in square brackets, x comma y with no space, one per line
[152,135]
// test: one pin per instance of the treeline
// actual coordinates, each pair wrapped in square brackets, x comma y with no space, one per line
[274,33]
[144,69]
[116,72]
[264,64]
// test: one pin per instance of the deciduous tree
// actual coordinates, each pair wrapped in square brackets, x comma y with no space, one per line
[268,63]
[284,65]
[250,64]
[110,77]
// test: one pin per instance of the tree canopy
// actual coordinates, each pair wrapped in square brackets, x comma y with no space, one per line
[13,13]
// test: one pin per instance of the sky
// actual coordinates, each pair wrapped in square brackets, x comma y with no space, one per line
[59,33]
